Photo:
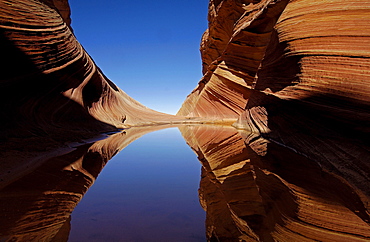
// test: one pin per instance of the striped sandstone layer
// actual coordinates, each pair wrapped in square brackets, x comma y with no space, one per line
[297,74]
[50,84]
[232,49]
[289,49]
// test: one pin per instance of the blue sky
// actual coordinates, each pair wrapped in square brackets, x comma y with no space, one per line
[150,49]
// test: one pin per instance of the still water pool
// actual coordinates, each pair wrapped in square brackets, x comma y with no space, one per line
[147,192]
[151,190]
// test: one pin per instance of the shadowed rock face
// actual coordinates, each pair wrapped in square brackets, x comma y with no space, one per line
[50,84]
[254,190]
[297,74]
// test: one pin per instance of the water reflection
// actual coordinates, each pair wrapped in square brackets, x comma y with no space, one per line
[37,205]
[254,190]
[148,192]
[251,190]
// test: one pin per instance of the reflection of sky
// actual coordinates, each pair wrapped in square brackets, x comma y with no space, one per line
[147,192]
[150,49]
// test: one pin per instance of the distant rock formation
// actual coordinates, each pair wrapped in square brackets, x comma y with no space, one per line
[274,196]
[49,84]
[295,73]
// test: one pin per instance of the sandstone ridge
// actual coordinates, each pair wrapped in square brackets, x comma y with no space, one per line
[50,84]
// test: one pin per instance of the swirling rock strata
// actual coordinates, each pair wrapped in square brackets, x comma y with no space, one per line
[288,49]
[311,90]
[49,83]
[232,49]
[296,73]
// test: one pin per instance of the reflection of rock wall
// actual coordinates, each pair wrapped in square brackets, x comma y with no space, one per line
[36,206]
[254,190]
[49,83]
[295,72]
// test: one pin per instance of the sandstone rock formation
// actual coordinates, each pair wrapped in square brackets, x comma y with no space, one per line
[295,73]
[232,49]
[279,196]
[288,49]
[50,84]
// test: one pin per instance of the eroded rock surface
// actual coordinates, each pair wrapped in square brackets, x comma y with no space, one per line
[50,84]
[295,73]
[232,49]
[289,49]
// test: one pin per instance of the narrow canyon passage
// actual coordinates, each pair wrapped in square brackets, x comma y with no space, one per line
[279,125]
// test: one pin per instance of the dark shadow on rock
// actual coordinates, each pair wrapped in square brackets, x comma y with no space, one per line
[329,130]
[276,70]
[32,103]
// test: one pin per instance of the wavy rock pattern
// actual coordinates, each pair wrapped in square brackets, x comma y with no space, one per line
[296,73]
[232,49]
[290,49]
[278,196]
[50,83]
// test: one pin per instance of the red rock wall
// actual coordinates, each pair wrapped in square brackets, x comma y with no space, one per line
[232,49]
[311,91]
[296,73]
[49,83]
[290,49]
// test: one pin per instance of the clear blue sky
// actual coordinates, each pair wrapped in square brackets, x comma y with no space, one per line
[150,49]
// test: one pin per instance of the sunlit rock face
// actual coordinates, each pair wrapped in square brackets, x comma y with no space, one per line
[313,52]
[49,83]
[296,73]
[254,190]
[232,49]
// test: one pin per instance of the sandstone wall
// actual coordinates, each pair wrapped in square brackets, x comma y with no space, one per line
[49,83]
[298,49]
[296,73]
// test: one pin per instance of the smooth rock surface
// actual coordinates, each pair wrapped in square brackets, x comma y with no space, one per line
[50,84]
